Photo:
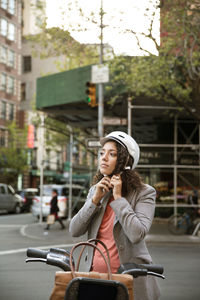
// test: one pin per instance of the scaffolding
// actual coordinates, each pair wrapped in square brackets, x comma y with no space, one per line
[178,162]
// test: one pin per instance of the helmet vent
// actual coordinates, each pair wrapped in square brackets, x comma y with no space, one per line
[121,136]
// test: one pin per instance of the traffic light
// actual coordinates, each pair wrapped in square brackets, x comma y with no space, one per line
[91,93]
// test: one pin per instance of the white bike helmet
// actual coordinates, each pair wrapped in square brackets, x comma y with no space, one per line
[126,141]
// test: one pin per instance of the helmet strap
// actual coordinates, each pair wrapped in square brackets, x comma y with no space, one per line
[127,167]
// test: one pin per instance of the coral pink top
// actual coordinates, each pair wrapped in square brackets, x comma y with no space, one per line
[105,234]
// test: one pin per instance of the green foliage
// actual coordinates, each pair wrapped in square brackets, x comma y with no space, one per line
[174,75]
[13,157]
[55,42]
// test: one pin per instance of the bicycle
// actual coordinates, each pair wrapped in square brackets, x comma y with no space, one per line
[90,288]
[180,224]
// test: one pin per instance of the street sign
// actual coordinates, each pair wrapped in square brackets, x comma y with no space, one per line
[93,143]
[100,74]
[114,121]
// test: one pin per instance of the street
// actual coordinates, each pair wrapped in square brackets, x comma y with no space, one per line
[19,280]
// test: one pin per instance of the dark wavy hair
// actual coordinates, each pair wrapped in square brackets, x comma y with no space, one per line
[130,178]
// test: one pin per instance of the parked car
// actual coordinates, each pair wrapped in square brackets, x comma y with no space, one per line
[78,193]
[9,200]
[27,196]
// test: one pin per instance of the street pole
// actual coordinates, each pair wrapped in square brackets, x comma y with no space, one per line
[41,168]
[70,174]
[101,106]
[175,164]
[129,115]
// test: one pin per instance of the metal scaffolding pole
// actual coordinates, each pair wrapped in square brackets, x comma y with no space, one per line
[199,154]
[129,115]
[175,164]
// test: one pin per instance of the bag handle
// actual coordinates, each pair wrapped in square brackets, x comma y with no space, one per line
[95,247]
[83,248]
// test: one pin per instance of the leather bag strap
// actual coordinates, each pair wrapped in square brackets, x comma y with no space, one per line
[83,248]
[95,247]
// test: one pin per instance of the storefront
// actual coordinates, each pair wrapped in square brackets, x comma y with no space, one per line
[172,164]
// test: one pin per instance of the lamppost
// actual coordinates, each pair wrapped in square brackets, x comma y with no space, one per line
[70,173]
[101,106]
[41,166]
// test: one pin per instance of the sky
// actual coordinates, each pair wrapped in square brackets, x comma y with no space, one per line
[119,16]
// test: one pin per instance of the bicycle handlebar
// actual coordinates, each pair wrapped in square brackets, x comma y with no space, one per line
[60,258]
[141,270]
[152,268]
[55,257]
[33,252]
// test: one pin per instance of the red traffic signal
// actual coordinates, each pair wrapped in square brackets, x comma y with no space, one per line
[91,93]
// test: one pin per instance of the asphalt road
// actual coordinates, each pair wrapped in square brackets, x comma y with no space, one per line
[19,280]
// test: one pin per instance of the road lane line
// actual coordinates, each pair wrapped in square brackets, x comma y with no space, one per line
[23,232]
[14,251]
[10,225]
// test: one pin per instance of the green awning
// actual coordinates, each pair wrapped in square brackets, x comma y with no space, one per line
[62,88]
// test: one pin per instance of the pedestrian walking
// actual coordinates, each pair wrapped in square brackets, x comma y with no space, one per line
[54,209]
[119,211]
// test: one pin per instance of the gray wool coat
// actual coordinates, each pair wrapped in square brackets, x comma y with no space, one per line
[133,219]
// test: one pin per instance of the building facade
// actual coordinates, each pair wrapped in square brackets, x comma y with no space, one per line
[10,63]
[32,68]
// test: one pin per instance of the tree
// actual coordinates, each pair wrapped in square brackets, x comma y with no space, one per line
[58,41]
[13,157]
[55,42]
[174,75]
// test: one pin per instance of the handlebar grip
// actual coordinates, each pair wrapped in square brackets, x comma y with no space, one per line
[33,252]
[153,268]
[136,272]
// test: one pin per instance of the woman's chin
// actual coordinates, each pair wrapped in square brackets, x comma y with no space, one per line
[104,173]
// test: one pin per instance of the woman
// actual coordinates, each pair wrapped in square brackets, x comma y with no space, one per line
[54,209]
[119,211]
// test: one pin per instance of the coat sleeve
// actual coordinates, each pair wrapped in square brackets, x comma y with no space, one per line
[79,223]
[137,215]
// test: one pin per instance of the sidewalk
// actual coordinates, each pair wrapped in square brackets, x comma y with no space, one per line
[158,234]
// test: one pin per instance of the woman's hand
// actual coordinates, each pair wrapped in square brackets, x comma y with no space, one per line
[116,184]
[102,187]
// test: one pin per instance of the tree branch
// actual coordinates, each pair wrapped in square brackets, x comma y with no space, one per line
[67,133]
[181,103]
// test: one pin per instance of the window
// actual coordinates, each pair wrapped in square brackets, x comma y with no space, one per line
[11,112]
[11,32]
[11,190]
[3,56]
[4,25]
[4,4]
[2,137]
[11,58]
[3,82]
[7,56]
[8,29]
[11,7]
[27,65]
[3,110]
[38,21]
[10,85]
[23,91]
[2,189]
